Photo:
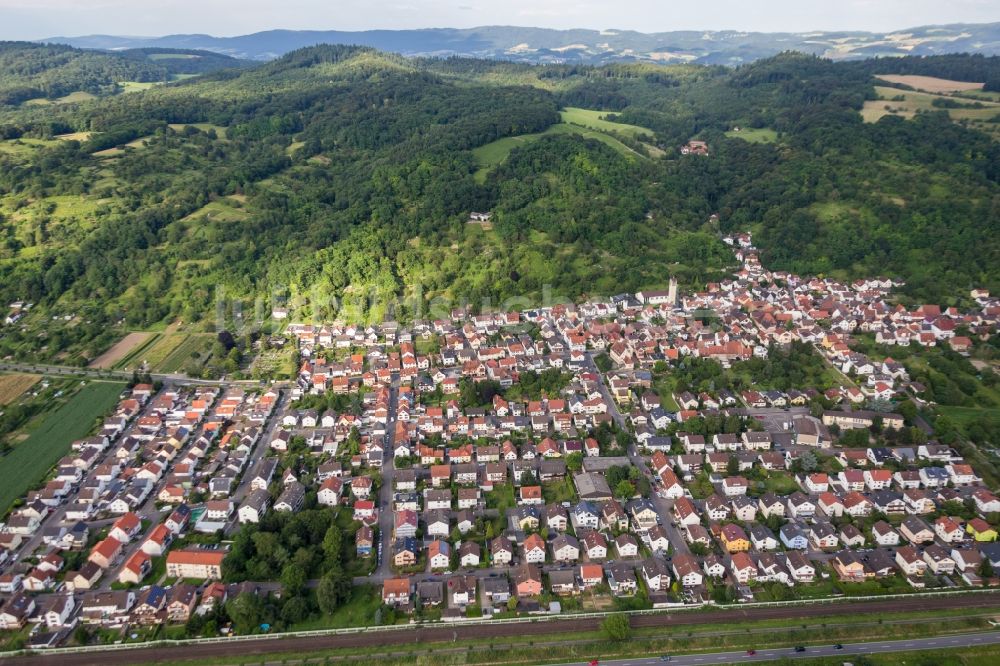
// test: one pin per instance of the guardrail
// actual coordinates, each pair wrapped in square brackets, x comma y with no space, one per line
[518,620]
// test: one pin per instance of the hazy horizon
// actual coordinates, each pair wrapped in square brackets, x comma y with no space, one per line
[40,19]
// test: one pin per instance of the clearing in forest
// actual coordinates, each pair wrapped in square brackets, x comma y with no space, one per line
[931,84]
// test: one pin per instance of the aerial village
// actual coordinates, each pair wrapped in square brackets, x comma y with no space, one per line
[534,462]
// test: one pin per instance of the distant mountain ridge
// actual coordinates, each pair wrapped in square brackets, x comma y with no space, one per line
[542,45]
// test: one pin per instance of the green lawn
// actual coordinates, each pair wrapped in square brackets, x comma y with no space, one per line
[30,460]
[557,492]
[136,86]
[204,127]
[597,120]
[496,152]
[754,134]
[24,147]
[963,416]
[358,611]
[777,483]
[218,211]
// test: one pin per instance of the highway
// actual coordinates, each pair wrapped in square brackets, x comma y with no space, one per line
[848,650]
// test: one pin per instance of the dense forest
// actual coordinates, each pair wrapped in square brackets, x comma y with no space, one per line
[341,178]
[48,71]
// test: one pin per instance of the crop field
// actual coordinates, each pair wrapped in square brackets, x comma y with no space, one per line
[28,462]
[162,348]
[13,386]
[120,350]
[910,102]
[907,104]
[184,353]
[930,84]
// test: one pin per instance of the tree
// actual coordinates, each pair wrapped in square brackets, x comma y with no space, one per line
[808,461]
[354,442]
[293,579]
[574,462]
[986,570]
[699,549]
[512,604]
[624,489]
[246,611]
[617,474]
[616,627]
[333,588]
[333,545]
[82,634]
[296,609]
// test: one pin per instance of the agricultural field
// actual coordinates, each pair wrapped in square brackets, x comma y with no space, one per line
[13,386]
[120,350]
[930,84]
[164,346]
[979,114]
[194,349]
[31,459]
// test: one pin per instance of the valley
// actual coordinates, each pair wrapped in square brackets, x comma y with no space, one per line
[547,345]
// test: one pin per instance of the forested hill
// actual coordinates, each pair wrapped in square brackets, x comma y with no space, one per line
[542,45]
[46,72]
[342,172]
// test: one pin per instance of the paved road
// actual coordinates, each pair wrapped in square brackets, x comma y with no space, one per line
[97,373]
[848,650]
[663,506]
[246,651]
[259,451]
[385,512]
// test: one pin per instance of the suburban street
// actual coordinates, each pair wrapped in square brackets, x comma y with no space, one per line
[260,450]
[385,512]
[664,507]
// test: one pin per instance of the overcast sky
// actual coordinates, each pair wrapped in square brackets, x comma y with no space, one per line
[34,19]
